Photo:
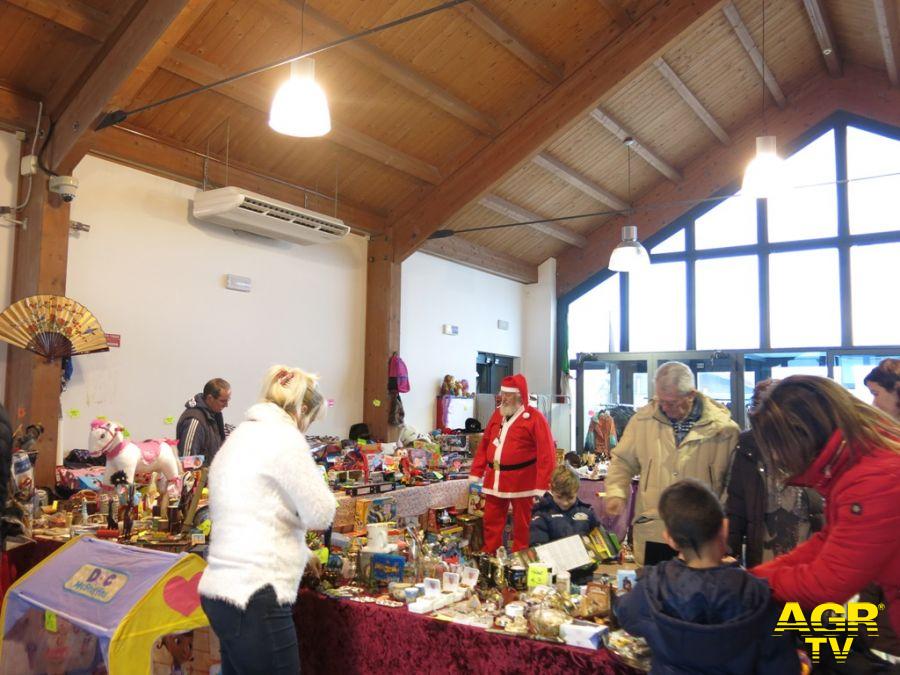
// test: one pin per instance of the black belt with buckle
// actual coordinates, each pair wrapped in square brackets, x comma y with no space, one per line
[513,467]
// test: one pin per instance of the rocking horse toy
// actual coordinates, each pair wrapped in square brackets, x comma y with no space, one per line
[108,438]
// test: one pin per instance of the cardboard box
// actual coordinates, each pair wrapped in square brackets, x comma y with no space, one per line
[374,510]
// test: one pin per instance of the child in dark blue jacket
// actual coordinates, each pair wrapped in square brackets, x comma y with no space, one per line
[561,514]
[698,614]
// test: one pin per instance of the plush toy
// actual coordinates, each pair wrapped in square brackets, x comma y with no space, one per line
[447,386]
[108,438]
[464,385]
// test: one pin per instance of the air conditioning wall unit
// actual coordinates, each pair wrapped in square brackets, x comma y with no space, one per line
[240,209]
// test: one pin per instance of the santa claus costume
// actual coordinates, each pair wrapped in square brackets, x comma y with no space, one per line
[515,459]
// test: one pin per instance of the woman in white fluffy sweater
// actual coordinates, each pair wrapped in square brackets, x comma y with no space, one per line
[265,491]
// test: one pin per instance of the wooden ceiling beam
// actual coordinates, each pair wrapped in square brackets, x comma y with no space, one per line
[821,26]
[862,91]
[639,148]
[614,10]
[475,12]
[886,20]
[400,73]
[521,214]
[693,102]
[200,71]
[578,180]
[465,252]
[554,115]
[72,14]
[18,112]
[170,160]
[116,60]
[176,31]
[740,29]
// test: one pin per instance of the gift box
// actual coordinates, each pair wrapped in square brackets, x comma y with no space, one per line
[375,510]
[440,519]
[476,500]
[472,530]
[345,515]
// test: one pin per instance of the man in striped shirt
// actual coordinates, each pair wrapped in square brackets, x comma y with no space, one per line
[201,427]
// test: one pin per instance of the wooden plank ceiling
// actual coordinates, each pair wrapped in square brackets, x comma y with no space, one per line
[416,107]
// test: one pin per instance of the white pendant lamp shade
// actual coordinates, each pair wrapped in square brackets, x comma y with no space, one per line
[765,175]
[630,255]
[300,107]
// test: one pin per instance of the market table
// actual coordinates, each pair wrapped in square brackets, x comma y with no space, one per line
[341,636]
[411,501]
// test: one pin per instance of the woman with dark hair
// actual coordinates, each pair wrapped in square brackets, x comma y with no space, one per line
[884,384]
[815,433]
[766,518]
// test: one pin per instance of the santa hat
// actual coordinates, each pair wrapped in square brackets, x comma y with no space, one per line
[516,384]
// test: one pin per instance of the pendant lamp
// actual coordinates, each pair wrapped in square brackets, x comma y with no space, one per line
[300,107]
[765,175]
[629,255]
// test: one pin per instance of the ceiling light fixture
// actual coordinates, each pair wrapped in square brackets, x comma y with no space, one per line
[629,255]
[300,108]
[764,176]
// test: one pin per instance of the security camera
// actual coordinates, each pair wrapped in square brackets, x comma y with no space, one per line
[64,186]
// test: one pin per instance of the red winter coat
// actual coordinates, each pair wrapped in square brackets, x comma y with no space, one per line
[860,542]
[516,458]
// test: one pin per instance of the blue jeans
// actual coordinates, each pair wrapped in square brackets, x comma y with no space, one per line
[259,639]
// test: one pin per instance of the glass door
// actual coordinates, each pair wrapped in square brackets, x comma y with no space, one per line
[851,369]
[607,382]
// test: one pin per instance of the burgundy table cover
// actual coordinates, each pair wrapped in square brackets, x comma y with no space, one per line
[341,636]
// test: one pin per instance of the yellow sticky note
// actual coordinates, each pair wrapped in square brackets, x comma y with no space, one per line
[538,575]
[74,413]
[377,403]
[169,420]
[322,554]
[50,621]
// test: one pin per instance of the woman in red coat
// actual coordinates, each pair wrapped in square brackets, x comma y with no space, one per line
[817,434]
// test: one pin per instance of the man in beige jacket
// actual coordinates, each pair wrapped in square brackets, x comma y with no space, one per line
[681,433]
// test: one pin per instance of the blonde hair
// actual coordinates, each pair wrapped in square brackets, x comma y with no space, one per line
[288,388]
[564,482]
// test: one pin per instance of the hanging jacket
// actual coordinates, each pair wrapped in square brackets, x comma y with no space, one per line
[745,505]
[648,449]
[859,543]
[718,620]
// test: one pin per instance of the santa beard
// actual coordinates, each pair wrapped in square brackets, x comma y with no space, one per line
[509,410]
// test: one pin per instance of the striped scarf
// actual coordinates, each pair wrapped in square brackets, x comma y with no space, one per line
[682,427]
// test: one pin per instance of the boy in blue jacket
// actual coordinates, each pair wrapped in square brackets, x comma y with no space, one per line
[561,514]
[698,614]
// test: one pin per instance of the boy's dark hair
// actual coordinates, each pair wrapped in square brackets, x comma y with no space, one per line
[692,514]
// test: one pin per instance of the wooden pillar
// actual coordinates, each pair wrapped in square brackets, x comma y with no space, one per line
[39,266]
[382,332]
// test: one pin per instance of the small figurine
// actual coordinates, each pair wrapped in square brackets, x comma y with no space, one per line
[464,386]
[447,386]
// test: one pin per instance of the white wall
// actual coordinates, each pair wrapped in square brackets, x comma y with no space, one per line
[9,172]
[154,275]
[539,337]
[435,292]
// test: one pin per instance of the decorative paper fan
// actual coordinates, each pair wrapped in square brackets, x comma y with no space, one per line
[52,326]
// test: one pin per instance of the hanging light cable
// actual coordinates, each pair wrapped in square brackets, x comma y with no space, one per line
[764,176]
[300,107]
[629,255]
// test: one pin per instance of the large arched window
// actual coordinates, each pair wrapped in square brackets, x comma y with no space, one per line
[814,268]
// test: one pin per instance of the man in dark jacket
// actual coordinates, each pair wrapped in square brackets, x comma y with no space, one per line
[697,614]
[201,427]
[560,514]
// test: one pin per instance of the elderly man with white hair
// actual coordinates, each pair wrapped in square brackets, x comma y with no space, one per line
[680,434]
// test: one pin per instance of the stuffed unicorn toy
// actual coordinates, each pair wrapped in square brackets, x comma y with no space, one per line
[108,438]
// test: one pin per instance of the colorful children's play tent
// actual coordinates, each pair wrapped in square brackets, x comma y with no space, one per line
[95,605]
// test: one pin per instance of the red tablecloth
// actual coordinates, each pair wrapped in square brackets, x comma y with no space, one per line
[340,636]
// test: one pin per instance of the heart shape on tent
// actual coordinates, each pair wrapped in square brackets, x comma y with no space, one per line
[181,594]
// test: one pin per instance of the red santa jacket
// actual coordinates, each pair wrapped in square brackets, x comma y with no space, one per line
[516,458]
[859,543]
